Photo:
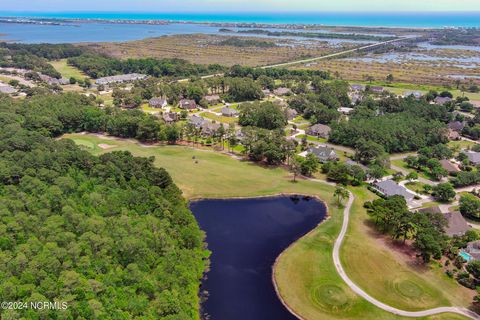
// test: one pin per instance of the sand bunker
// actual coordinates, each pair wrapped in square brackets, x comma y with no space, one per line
[105,146]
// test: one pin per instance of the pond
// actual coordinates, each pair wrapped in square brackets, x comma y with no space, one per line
[245,237]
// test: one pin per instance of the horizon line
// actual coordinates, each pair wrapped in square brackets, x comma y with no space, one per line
[245,12]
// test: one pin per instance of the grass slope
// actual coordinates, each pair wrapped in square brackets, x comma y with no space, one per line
[305,273]
[66,70]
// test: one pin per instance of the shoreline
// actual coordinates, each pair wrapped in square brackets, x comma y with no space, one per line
[65,21]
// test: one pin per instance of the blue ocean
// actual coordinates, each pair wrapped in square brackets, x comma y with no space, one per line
[386,19]
[94,31]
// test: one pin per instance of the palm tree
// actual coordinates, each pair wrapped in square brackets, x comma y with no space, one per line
[341,194]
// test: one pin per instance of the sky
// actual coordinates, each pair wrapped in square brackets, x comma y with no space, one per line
[158,6]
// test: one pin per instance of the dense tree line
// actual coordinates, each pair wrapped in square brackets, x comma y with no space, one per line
[109,235]
[391,215]
[264,115]
[97,66]
[397,124]
[239,71]
[267,145]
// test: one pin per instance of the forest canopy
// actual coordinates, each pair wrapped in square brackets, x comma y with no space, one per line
[110,235]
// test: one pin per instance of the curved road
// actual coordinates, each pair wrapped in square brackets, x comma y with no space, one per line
[366,296]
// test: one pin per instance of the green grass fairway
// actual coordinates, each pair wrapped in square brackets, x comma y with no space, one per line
[66,70]
[305,274]
[378,269]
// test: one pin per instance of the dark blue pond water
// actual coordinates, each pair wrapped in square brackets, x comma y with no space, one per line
[245,237]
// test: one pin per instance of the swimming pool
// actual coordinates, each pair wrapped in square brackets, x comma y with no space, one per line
[465,255]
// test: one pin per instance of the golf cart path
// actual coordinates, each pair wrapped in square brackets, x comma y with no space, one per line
[413,314]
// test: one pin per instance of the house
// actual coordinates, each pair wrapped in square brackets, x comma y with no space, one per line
[170,117]
[356,98]
[54,81]
[280,102]
[456,126]
[213,99]
[453,135]
[210,128]
[323,153]
[376,89]
[291,113]
[434,209]
[473,157]
[158,102]
[319,130]
[390,188]
[472,251]
[457,225]
[197,121]
[450,167]
[442,100]
[357,87]
[267,92]
[352,163]
[229,112]
[415,94]
[345,110]
[282,91]
[120,78]
[188,104]
[7,89]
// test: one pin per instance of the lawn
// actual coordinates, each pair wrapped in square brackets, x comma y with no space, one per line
[461,144]
[221,119]
[305,273]
[391,275]
[66,70]
[401,163]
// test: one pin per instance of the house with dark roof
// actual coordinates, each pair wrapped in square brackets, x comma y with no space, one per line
[352,163]
[170,117]
[197,121]
[158,102]
[291,113]
[473,157]
[434,209]
[442,100]
[319,130]
[456,126]
[357,87]
[376,89]
[229,112]
[323,153]
[457,225]
[187,104]
[210,128]
[390,188]
[450,167]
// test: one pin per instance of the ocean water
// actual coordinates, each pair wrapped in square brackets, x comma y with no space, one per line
[77,32]
[387,19]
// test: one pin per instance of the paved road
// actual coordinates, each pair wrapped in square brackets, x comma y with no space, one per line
[332,55]
[366,296]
